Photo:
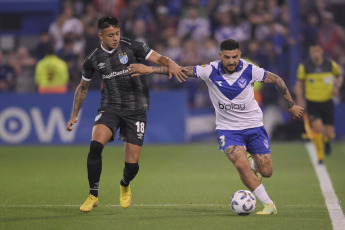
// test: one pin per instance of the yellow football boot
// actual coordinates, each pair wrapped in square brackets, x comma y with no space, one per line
[268,209]
[125,196]
[90,202]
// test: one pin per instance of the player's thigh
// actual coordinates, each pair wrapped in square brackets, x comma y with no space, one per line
[132,131]
[317,125]
[132,152]
[236,154]
[101,133]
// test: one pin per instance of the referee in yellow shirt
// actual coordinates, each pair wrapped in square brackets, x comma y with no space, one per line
[51,74]
[319,80]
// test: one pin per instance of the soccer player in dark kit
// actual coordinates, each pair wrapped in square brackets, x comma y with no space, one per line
[124,103]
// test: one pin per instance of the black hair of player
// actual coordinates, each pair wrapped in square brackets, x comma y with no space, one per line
[314,43]
[229,44]
[106,22]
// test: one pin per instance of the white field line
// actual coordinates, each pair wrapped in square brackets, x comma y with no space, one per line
[136,205]
[331,199]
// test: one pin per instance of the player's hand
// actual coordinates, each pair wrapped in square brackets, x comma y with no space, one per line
[175,70]
[296,111]
[71,122]
[335,91]
[138,70]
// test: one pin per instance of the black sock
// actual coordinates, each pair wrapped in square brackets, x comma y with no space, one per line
[94,166]
[129,172]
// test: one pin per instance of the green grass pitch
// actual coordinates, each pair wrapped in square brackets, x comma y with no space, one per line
[178,187]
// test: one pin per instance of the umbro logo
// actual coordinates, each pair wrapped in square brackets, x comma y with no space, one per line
[101,65]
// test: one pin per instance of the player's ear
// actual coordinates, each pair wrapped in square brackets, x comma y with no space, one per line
[99,35]
[220,54]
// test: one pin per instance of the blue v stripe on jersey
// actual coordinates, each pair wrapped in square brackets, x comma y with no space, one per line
[237,87]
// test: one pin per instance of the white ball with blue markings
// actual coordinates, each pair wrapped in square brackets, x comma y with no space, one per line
[243,202]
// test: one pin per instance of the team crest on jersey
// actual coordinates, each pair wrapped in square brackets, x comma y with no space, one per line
[265,143]
[101,65]
[123,58]
[242,82]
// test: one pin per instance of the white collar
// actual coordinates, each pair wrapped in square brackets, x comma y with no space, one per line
[108,51]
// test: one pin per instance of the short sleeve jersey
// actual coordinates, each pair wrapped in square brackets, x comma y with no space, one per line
[121,92]
[319,80]
[232,95]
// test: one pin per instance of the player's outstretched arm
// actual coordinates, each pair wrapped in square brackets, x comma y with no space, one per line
[79,98]
[280,85]
[173,68]
[140,69]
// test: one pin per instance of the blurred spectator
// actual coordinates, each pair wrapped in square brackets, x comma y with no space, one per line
[174,49]
[51,74]
[140,32]
[24,69]
[91,15]
[91,38]
[55,31]
[135,10]
[6,75]
[210,51]
[43,44]
[73,28]
[110,7]
[230,26]
[331,36]
[71,59]
[193,26]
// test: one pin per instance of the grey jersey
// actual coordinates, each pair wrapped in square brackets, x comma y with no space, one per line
[121,92]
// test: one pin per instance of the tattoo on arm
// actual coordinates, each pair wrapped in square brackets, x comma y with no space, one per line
[189,71]
[160,69]
[79,97]
[163,61]
[281,87]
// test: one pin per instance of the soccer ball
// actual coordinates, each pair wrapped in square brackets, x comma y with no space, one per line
[243,202]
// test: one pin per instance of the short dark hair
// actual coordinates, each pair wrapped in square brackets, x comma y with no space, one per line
[229,44]
[314,43]
[105,22]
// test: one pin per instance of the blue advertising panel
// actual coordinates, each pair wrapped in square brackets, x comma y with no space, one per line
[41,119]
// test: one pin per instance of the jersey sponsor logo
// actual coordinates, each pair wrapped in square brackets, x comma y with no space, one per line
[101,65]
[242,82]
[123,58]
[231,106]
[114,74]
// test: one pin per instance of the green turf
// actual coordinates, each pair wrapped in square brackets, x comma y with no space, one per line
[178,187]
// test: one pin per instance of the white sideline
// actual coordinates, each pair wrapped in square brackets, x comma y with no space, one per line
[135,205]
[331,199]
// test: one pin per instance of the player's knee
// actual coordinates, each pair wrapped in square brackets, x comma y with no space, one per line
[266,172]
[96,149]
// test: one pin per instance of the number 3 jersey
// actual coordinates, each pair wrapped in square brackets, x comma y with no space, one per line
[121,92]
[232,95]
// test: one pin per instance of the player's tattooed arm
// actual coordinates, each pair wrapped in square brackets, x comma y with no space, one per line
[79,98]
[283,91]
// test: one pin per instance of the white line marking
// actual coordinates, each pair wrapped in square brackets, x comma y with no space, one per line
[331,199]
[106,205]
[137,205]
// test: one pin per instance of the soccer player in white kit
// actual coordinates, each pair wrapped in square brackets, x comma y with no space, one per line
[239,123]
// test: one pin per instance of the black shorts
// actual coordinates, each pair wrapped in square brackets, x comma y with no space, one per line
[132,126]
[322,110]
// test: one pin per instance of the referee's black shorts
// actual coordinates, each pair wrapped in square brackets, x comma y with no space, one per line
[132,126]
[322,110]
